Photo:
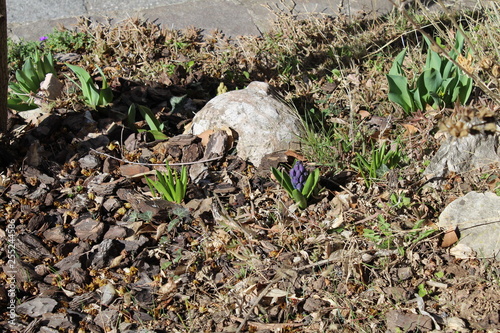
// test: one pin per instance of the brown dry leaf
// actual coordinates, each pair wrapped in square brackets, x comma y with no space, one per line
[168,287]
[204,136]
[462,251]
[450,238]
[338,121]
[295,155]
[410,129]
[117,260]
[161,230]
[340,203]
[364,114]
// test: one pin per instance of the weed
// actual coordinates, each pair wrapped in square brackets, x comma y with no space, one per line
[380,162]
[138,216]
[384,237]
[417,233]
[422,291]
[181,214]
[399,201]
[169,185]
[327,143]
[65,41]
[155,127]
[20,51]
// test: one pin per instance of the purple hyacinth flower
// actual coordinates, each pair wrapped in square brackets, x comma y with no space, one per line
[43,38]
[298,175]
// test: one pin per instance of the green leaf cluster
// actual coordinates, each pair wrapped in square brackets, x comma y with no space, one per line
[380,162]
[383,237]
[169,185]
[29,77]
[300,197]
[65,41]
[93,96]
[441,84]
[155,127]
[19,51]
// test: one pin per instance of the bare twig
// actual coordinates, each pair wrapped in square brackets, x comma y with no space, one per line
[156,164]
[256,301]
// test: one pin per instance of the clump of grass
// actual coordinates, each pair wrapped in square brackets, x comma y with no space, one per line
[19,51]
[62,40]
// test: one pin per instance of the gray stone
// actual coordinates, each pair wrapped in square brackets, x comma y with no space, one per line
[51,87]
[158,208]
[37,307]
[39,193]
[263,123]
[108,294]
[89,162]
[476,217]
[71,261]
[33,18]
[134,243]
[313,304]
[473,152]
[142,317]
[101,188]
[30,172]
[404,273]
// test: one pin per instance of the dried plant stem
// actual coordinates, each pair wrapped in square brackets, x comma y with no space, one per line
[256,301]
[156,164]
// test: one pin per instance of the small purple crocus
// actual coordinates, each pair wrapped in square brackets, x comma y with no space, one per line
[298,175]
[43,38]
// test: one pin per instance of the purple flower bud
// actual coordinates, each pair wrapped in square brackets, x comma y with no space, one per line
[43,38]
[298,175]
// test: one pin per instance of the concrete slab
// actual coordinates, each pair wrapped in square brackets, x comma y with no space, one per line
[30,19]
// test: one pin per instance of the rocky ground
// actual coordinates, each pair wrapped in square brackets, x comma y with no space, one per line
[96,252]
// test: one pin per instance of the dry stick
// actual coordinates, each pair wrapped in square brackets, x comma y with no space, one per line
[276,279]
[256,301]
[156,164]
[439,50]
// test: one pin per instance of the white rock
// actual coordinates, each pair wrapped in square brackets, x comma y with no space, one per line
[263,123]
[476,216]
[51,87]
